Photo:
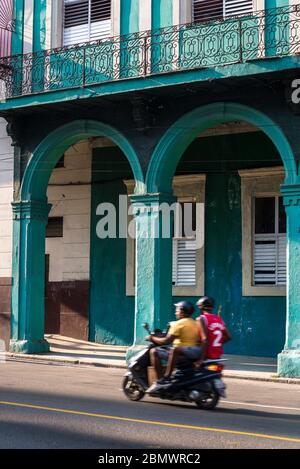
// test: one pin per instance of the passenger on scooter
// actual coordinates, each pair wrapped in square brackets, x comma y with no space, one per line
[214,329]
[186,337]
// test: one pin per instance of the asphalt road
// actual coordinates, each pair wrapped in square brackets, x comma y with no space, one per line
[56,406]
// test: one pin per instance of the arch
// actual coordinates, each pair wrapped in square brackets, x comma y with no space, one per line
[48,152]
[175,141]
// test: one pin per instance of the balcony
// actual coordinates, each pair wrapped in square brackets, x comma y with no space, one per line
[270,34]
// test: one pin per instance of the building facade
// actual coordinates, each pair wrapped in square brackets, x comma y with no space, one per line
[106,103]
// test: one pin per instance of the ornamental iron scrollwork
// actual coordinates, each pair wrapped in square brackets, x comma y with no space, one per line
[271,33]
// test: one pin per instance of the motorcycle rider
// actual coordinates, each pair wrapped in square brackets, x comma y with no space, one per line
[185,339]
[214,328]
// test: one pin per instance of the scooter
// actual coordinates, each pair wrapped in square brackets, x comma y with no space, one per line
[202,386]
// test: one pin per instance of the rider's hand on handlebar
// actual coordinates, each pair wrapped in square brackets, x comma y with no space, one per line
[148,338]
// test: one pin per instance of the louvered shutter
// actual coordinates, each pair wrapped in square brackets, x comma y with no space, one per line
[5,43]
[207,10]
[265,254]
[6,26]
[76,22]
[237,7]
[100,19]
[270,260]
[281,262]
[210,10]
[86,20]
[184,262]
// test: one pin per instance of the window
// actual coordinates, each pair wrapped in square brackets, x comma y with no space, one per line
[54,228]
[6,27]
[269,253]
[86,20]
[188,260]
[210,10]
[184,245]
[263,232]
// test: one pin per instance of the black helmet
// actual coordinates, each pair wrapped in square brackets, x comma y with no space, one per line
[186,306]
[206,302]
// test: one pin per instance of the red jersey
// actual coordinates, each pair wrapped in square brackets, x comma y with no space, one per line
[215,332]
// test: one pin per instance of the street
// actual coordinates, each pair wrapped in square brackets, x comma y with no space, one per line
[57,407]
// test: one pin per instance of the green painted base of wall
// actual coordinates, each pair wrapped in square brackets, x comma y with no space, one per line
[289,363]
[28,346]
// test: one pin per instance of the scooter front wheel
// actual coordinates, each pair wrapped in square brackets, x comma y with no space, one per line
[132,389]
[209,401]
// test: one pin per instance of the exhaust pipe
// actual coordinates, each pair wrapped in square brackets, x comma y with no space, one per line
[194,395]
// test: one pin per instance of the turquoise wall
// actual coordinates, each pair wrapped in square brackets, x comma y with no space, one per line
[162,13]
[248,318]
[257,323]
[39,25]
[129,16]
[17,37]
[111,311]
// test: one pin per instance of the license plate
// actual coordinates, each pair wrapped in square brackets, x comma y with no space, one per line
[219,385]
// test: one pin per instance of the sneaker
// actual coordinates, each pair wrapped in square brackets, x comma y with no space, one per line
[163,381]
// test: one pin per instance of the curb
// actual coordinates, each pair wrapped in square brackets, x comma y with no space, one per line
[271,379]
[61,361]
[105,364]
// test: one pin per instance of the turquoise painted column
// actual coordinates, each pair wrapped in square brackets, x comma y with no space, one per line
[28,289]
[153,270]
[163,50]
[130,45]
[39,25]
[17,36]
[17,46]
[289,358]
[38,45]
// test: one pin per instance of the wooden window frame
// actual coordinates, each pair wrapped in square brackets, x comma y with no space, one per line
[261,182]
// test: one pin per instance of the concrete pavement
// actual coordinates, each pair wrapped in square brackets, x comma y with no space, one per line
[77,352]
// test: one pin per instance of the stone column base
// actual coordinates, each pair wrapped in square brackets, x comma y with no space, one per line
[29,346]
[289,363]
[133,350]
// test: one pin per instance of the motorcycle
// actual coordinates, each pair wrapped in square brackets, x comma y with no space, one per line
[202,386]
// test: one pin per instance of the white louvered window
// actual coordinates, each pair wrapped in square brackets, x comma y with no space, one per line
[86,20]
[269,250]
[184,245]
[210,10]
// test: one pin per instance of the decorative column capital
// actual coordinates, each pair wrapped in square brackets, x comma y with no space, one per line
[151,204]
[291,195]
[153,199]
[31,210]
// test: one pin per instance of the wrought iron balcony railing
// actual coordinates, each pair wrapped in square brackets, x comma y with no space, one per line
[264,34]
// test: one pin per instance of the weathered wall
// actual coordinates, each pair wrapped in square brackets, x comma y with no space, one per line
[6,197]
[257,323]
[111,311]
[67,293]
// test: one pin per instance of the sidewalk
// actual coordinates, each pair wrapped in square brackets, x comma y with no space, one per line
[65,350]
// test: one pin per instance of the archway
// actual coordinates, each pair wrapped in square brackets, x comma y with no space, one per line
[30,219]
[159,179]
[54,145]
[173,143]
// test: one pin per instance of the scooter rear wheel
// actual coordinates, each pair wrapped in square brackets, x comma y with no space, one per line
[208,402]
[132,389]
